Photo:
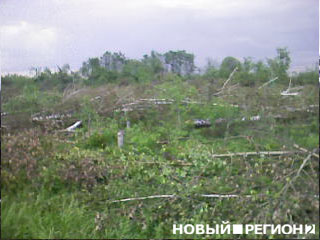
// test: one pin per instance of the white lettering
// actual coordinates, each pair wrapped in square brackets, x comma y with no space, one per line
[310,229]
[199,229]
[209,230]
[289,228]
[249,228]
[179,229]
[185,228]
[275,230]
[298,230]
[265,226]
[225,229]
[258,229]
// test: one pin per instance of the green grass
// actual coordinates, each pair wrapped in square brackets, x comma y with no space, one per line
[39,215]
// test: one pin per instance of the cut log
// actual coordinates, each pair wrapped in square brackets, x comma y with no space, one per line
[201,123]
[73,127]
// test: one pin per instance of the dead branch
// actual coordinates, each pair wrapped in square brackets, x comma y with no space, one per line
[305,150]
[265,84]
[143,198]
[175,196]
[285,93]
[36,117]
[229,78]
[302,165]
[245,154]
[223,195]
[73,127]
[288,93]
[226,82]
[173,163]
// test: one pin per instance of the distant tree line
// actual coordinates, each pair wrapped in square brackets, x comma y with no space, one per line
[117,68]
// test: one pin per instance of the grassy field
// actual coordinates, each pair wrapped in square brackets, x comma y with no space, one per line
[66,185]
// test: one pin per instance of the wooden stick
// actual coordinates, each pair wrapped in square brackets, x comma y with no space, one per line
[223,195]
[74,126]
[303,164]
[198,195]
[229,78]
[253,153]
[305,150]
[265,84]
[285,93]
[174,163]
[175,196]
[143,198]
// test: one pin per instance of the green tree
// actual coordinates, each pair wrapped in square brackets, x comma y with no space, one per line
[280,64]
[261,71]
[247,65]
[97,73]
[113,61]
[228,65]
[137,71]
[154,61]
[180,62]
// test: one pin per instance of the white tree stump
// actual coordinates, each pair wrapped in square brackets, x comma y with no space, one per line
[120,138]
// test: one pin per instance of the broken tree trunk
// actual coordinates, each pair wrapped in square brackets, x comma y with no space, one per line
[73,127]
[201,123]
[120,138]
[229,78]
[245,154]
[265,84]
[288,93]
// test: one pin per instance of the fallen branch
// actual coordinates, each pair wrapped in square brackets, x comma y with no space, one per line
[305,150]
[159,163]
[302,165]
[51,117]
[229,78]
[73,126]
[143,198]
[176,196]
[287,92]
[223,195]
[245,154]
[285,188]
[265,84]
[226,82]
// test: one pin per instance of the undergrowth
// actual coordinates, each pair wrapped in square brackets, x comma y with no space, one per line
[58,185]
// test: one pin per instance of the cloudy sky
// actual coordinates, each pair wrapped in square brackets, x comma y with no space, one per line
[54,32]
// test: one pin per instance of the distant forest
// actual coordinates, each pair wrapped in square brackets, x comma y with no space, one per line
[116,68]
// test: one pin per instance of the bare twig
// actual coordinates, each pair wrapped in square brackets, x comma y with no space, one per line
[285,188]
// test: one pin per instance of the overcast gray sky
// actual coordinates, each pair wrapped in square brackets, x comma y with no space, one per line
[54,32]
